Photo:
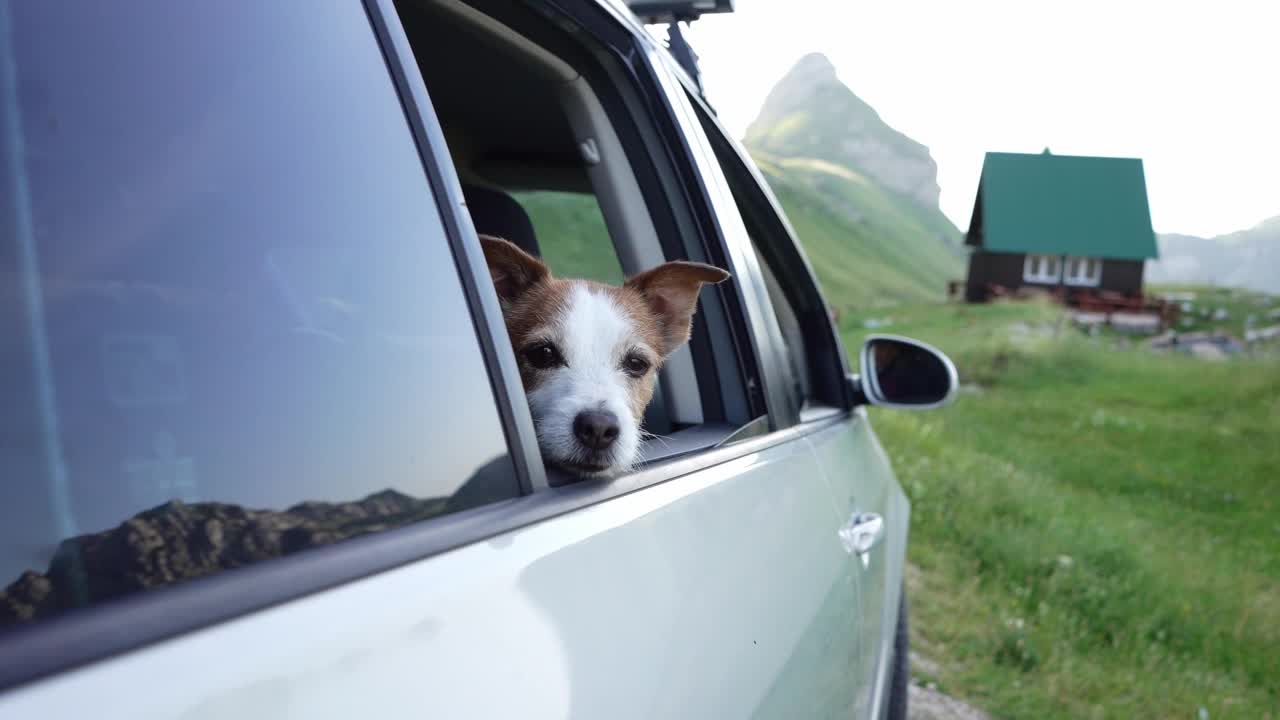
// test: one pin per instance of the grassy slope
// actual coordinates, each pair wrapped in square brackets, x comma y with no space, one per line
[1096,529]
[868,247]
[815,126]
[572,236]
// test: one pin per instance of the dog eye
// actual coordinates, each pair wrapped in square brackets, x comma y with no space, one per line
[635,366]
[543,356]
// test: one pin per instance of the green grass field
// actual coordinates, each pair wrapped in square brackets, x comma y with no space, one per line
[1239,309]
[572,235]
[1096,530]
[868,246]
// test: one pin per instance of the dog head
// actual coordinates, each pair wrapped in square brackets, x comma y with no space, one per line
[589,353]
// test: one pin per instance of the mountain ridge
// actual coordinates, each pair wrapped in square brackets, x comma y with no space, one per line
[811,113]
[1248,258]
[862,196]
[872,231]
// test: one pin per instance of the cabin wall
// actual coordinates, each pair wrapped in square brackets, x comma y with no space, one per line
[990,268]
[1122,276]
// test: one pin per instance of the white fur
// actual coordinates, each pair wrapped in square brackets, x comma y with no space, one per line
[593,335]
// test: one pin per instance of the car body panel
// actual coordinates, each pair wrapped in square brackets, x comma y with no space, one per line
[862,480]
[724,592]
[705,596]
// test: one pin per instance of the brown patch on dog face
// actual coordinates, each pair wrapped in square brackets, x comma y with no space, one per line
[647,324]
[642,393]
[530,297]
[649,332]
[532,317]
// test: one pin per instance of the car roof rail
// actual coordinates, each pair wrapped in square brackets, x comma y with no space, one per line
[673,12]
[655,12]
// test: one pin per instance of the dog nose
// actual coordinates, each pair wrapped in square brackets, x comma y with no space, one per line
[596,429]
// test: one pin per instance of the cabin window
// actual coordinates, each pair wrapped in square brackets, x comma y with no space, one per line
[1041,269]
[1083,272]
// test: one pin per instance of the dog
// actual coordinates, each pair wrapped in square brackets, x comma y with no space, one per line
[589,353]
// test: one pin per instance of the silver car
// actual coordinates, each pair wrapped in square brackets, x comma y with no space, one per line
[265,449]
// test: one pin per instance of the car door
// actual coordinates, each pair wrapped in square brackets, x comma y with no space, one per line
[312,331]
[809,389]
[868,495]
[865,493]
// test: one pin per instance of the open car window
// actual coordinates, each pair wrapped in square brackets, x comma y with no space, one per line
[559,156]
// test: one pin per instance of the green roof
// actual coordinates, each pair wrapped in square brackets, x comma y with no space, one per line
[1063,205]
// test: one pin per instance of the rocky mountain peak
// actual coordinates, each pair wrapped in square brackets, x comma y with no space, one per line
[811,113]
[810,68]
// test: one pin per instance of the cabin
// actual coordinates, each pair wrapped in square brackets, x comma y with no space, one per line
[1077,227]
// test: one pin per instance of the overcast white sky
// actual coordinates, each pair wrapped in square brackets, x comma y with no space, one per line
[1192,88]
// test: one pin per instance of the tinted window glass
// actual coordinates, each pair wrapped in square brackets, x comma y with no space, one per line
[796,354]
[232,325]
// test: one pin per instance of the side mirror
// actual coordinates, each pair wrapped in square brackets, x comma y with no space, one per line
[899,372]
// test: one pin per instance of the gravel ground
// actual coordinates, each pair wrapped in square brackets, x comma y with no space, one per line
[926,704]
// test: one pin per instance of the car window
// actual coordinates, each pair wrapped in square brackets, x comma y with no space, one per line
[562,158]
[796,354]
[233,325]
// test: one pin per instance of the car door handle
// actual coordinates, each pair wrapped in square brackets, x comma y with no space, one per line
[862,533]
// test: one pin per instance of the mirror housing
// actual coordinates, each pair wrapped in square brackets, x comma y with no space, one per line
[899,372]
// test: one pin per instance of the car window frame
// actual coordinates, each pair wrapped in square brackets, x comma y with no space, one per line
[784,410]
[793,271]
[726,364]
[729,233]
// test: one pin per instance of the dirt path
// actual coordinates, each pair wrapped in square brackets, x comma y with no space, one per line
[926,704]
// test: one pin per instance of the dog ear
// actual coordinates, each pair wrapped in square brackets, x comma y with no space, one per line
[671,292]
[513,270]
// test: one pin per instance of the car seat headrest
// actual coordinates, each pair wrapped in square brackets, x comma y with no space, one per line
[494,212]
